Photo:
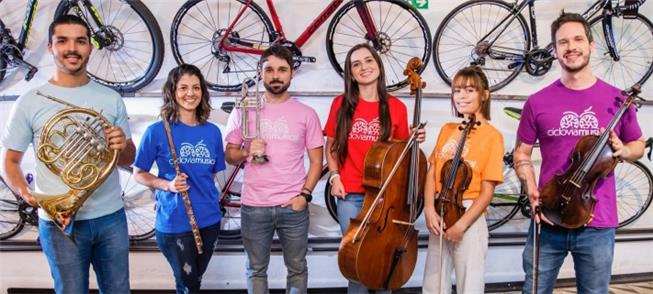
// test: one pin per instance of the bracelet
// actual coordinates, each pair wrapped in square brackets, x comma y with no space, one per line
[332,177]
[307,189]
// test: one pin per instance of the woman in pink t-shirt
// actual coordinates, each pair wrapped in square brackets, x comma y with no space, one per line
[363,114]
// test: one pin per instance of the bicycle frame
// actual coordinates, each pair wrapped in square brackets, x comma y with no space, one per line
[588,14]
[280,35]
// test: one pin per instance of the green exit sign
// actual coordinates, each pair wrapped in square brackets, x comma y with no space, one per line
[420,4]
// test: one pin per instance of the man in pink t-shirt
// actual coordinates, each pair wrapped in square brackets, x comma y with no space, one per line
[558,116]
[276,193]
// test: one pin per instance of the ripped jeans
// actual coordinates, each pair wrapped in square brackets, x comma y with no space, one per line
[181,253]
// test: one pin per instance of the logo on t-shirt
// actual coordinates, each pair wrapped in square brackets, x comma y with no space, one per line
[277,129]
[194,154]
[364,130]
[573,124]
[448,150]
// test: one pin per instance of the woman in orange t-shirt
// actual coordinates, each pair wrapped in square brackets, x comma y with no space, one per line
[465,243]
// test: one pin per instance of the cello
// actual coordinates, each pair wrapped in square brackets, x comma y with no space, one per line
[380,246]
[568,199]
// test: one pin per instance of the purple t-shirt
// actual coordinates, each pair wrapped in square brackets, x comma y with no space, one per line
[289,129]
[558,117]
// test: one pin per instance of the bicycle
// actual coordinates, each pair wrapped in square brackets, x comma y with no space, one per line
[225,38]
[15,213]
[634,193]
[494,34]
[126,36]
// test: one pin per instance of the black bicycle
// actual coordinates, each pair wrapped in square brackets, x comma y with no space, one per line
[494,35]
[127,39]
[138,201]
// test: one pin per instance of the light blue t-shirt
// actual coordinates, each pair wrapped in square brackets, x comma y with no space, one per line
[200,155]
[26,121]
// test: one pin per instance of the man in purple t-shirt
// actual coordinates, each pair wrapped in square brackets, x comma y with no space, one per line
[276,193]
[557,116]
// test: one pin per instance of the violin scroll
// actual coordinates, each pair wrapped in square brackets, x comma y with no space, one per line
[414,80]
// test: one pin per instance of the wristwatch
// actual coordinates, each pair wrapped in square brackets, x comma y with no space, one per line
[306,196]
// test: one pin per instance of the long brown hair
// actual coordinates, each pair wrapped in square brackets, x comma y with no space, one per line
[350,100]
[170,108]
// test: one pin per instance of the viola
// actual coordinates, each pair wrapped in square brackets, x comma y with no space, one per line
[568,199]
[380,245]
[456,174]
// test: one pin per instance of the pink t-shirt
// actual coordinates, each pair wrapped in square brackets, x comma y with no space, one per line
[289,129]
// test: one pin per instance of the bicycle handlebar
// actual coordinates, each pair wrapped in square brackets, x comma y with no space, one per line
[649,145]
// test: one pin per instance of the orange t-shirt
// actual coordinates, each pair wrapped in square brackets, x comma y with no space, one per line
[483,151]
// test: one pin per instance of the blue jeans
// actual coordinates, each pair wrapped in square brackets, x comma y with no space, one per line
[258,225]
[349,208]
[181,253]
[102,242]
[592,250]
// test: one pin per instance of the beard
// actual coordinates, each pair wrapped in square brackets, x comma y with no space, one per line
[278,87]
[577,68]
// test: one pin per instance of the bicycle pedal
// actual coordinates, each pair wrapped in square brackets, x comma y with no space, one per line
[514,65]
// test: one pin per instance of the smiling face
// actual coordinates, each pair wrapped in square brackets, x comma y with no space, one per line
[572,47]
[364,68]
[71,48]
[467,98]
[188,93]
[276,75]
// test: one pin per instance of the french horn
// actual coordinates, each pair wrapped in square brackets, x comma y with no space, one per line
[73,146]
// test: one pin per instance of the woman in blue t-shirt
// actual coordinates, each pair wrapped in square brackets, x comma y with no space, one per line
[198,146]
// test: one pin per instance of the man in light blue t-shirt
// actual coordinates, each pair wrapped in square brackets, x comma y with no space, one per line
[99,234]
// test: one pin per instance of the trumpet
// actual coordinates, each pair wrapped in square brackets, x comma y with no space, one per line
[246,103]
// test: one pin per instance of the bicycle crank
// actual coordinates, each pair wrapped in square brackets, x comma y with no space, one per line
[538,62]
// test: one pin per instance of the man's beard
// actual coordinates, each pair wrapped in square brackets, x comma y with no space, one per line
[583,65]
[276,90]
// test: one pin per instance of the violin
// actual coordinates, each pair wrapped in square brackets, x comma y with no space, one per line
[380,246]
[568,199]
[456,174]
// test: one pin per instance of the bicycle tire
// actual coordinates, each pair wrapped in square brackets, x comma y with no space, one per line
[10,221]
[133,59]
[634,41]
[505,201]
[229,202]
[3,58]
[634,191]
[3,67]
[404,35]
[332,206]
[139,205]
[194,36]
[330,202]
[449,58]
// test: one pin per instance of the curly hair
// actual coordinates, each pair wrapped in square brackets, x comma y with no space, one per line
[170,108]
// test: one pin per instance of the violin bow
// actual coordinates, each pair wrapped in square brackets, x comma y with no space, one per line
[537,227]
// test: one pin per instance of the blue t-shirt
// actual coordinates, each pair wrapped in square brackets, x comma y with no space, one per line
[27,119]
[201,155]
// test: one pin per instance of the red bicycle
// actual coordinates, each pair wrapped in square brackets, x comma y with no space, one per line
[225,38]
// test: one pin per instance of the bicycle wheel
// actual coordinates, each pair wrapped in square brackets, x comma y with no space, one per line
[402,33]
[330,202]
[634,44]
[634,191]
[10,221]
[130,42]
[459,42]
[139,206]
[505,202]
[230,201]
[198,30]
